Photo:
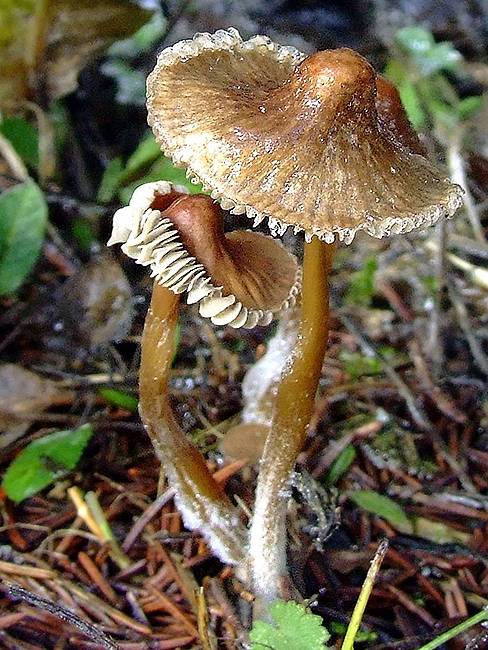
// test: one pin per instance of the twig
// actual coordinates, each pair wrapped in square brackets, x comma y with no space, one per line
[480,617]
[63,613]
[463,319]
[13,160]
[362,601]
[142,521]
[28,571]
[442,401]
[173,19]
[436,344]
[96,576]
[410,606]
[467,245]
[208,643]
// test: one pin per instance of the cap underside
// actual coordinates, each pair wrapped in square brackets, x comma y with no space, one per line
[211,107]
[258,263]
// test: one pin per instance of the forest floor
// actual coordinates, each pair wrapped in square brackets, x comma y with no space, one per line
[397,449]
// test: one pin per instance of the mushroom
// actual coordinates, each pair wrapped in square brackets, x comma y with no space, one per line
[239,279]
[319,143]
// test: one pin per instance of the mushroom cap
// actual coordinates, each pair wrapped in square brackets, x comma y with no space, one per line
[299,141]
[241,279]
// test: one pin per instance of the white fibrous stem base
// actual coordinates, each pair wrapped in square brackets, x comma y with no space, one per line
[260,383]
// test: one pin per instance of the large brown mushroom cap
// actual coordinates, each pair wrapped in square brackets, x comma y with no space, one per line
[306,142]
[241,279]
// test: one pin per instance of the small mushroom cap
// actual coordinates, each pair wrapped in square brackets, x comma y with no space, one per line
[242,279]
[320,143]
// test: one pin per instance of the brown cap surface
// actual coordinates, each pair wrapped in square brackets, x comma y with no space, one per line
[299,141]
[242,278]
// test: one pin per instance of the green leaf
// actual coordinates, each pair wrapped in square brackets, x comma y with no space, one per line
[293,628]
[412,104]
[361,636]
[384,507]
[398,74]
[110,181]
[119,398]
[82,231]
[145,165]
[357,365]
[23,137]
[147,151]
[341,464]
[469,106]
[44,461]
[427,55]
[414,40]
[162,170]
[23,219]
[142,41]
[361,286]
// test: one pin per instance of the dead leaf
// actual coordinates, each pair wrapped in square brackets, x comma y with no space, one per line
[23,394]
[245,441]
[96,303]
[46,50]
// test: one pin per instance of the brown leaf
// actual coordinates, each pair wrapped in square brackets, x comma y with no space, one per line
[47,49]
[22,394]
[96,303]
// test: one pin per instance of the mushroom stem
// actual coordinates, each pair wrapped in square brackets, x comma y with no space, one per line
[293,410]
[200,499]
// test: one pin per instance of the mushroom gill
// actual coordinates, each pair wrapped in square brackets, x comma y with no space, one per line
[241,279]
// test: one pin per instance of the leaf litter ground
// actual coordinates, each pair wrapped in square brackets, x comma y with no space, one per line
[398,448]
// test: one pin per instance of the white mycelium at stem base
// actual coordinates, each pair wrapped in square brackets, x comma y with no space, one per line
[259,389]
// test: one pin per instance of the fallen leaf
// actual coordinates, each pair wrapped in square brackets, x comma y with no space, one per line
[44,51]
[96,304]
[23,393]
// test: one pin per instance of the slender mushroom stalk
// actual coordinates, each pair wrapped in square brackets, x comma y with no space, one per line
[199,498]
[240,279]
[294,405]
[320,143]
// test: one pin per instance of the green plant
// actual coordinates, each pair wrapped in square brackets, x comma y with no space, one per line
[382,506]
[292,627]
[130,81]
[476,619]
[144,165]
[418,68]
[23,220]
[361,285]
[44,461]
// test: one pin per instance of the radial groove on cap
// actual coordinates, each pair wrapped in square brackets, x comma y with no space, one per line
[318,143]
[152,239]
